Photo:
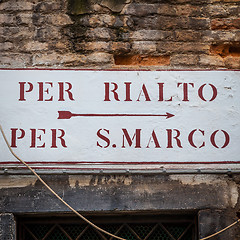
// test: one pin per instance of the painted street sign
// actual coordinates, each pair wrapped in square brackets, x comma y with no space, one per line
[86,116]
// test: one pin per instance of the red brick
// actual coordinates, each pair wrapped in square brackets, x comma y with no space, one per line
[225,23]
[142,60]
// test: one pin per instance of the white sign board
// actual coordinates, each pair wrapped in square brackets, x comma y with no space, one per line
[85,116]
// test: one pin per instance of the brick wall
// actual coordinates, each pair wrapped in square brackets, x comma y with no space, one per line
[112,34]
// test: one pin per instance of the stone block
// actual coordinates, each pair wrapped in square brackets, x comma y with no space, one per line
[151,35]
[99,34]
[15,60]
[16,6]
[60,19]
[55,59]
[211,61]
[141,9]
[225,23]
[232,62]
[182,47]
[188,35]
[5,46]
[99,58]
[184,60]
[120,47]
[144,47]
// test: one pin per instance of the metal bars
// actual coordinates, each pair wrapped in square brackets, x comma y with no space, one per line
[65,229]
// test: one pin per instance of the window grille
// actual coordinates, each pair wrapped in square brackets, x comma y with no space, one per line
[140,228]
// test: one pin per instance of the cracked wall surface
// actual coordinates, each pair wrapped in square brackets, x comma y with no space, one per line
[124,33]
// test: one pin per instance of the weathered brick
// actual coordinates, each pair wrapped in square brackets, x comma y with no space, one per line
[142,60]
[16,6]
[190,10]
[39,19]
[47,6]
[6,46]
[188,35]
[151,35]
[99,58]
[15,60]
[99,34]
[35,46]
[182,47]
[60,45]
[93,46]
[140,9]
[24,18]
[222,10]
[169,23]
[16,33]
[223,23]
[211,61]
[232,62]
[7,19]
[120,47]
[56,59]
[47,33]
[225,1]
[221,36]
[184,59]
[144,47]
[225,50]
[60,19]
[178,30]
[101,20]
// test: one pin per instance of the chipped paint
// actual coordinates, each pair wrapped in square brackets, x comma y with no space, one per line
[16,181]
[84,181]
[229,189]
[198,179]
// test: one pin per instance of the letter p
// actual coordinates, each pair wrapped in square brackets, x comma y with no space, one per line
[23,90]
[14,137]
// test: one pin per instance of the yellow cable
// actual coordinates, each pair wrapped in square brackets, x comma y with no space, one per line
[53,192]
[221,230]
[78,214]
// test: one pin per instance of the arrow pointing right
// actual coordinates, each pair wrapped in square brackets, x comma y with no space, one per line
[68,115]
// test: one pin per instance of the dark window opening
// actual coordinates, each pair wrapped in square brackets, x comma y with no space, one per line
[139,227]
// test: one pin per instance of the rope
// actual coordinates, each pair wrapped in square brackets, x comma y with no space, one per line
[77,213]
[54,193]
[221,230]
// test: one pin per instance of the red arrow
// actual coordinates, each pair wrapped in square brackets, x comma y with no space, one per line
[68,115]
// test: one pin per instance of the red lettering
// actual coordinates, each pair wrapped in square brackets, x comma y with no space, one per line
[170,137]
[160,97]
[185,90]
[14,136]
[54,138]
[34,138]
[104,138]
[129,140]
[214,92]
[107,91]
[154,139]
[41,91]
[22,90]
[62,90]
[128,91]
[190,138]
[145,93]
[213,138]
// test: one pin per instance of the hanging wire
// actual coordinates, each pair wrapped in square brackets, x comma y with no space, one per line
[77,213]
